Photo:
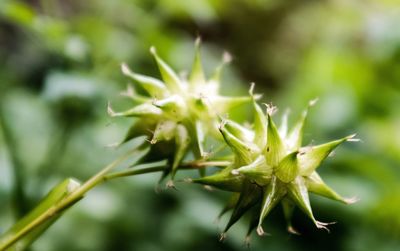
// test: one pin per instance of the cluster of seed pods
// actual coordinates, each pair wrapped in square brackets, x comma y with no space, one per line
[269,165]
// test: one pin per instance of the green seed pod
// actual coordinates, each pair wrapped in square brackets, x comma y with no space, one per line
[276,162]
[180,111]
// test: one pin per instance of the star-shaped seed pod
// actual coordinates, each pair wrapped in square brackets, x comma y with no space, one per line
[271,166]
[178,110]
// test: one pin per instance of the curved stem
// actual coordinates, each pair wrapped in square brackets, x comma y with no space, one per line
[63,204]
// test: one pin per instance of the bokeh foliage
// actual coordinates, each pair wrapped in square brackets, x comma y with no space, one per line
[60,65]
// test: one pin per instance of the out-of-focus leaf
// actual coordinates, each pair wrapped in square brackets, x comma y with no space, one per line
[57,194]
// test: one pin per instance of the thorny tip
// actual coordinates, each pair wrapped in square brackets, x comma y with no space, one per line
[260,231]
[323,225]
[208,188]
[352,139]
[271,109]
[226,57]
[222,237]
[113,145]
[170,184]
[351,200]
[197,42]
[313,102]
[155,102]
[153,141]
[153,50]
[247,241]
[125,69]
[222,124]
[188,180]
[251,89]
[253,95]
[110,111]
[292,230]
[235,172]
[129,92]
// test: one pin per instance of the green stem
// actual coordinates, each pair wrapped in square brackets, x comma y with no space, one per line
[64,204]
[161,165]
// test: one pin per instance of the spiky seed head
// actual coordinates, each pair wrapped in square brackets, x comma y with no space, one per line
[288,170]
[175,102]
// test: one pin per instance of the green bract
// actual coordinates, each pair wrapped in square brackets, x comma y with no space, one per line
[270,167]
[176,109]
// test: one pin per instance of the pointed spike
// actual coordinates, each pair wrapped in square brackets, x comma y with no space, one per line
[323,225]
[351,138]
[223,104]
[288,168]
[235,172]
[271,109]
[272,194]
[169,76]
[260,231]
[253,221]
[223,180]
[130,93]
[222,237]
[248,198]
[244,150]
[313,102]
[171,185]
[214,82]
[283,129]
[226,57]
[173,106]
[247,241]
[110,111]
[298,192]
[311,157]
[200,139]
[145,109]
[295,137]
[288,208]
[133,132]
[153,86]
[274,150]
[316,185]
[239,131]
[260,126]
[165,130]
[233,200]
[251,89]
[197,75]
[182,141]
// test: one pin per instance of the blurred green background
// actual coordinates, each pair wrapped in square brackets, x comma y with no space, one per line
[59,65]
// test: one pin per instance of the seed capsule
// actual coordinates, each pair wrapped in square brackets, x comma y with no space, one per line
[275,162]
[180,111]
